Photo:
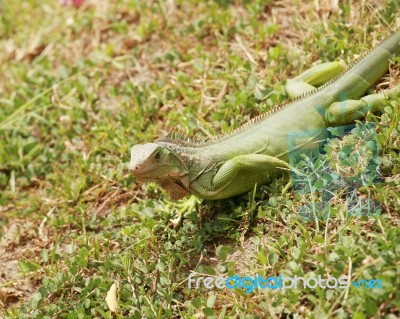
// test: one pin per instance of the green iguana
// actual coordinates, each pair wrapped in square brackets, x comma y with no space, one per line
[326,95]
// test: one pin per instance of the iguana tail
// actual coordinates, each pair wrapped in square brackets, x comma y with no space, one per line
[363,74]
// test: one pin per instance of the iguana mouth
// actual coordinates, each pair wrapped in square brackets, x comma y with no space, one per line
[141,175]
[139,171]
[146,175]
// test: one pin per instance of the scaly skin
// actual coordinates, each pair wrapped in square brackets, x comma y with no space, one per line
[259,150]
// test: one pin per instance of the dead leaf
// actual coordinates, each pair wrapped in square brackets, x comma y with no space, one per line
[112,297]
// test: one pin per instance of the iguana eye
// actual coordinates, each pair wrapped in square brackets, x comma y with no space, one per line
[157,156]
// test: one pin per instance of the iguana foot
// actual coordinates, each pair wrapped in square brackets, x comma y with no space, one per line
[182,207]
[346,112]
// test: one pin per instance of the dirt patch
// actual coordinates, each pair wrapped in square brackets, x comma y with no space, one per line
[20,241]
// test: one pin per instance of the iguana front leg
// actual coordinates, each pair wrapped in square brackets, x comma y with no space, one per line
[250,162]
[346,112]
[239,175]
[312,78]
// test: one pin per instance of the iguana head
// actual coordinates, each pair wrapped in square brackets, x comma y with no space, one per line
[155,162]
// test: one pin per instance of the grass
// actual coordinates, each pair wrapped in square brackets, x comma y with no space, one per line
[79,87]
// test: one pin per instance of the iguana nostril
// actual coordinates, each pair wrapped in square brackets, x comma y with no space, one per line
[134,168]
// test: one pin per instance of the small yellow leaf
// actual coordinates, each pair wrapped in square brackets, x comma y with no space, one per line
[112,297]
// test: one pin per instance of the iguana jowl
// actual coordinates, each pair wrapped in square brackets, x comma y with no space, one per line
[232,164]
